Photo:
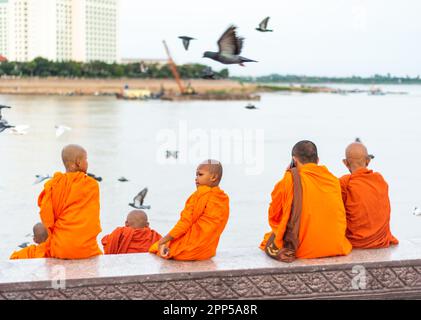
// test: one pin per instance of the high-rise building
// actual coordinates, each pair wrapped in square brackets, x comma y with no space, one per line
[60,30]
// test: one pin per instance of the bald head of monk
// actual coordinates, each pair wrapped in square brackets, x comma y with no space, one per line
[356,157]
[137,219]
[75,158]
[40,233]
[305,152]
[209,173]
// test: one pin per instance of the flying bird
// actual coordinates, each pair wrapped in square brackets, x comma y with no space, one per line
[3,122]
[99,179]
[250,107]
[41,178]
[123,179]
[186,41]
[139,199]
[60,130]
[172,154]
[417,211]
[263,26]
[230,46]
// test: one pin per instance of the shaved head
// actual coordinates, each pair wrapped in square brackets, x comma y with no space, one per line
[214,167]
[137,219]
[73,157]
[357,156]
[306,152]
[40,233]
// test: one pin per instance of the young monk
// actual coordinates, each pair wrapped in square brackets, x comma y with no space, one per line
[35,251]
[205,215]
[366,197]
[69,209]
[135,237]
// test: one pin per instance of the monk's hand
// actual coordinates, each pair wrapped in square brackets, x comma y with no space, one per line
[164,250]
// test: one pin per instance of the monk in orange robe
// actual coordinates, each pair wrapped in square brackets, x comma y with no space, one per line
[366,197]
[69,209]
[205,215]
[36,251]
[322,224]
[135,237]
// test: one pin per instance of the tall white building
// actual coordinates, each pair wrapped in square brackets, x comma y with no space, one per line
[59,30]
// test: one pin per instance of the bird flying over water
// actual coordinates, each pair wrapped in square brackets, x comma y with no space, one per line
[186,41]
[263,25]
[417,211]
[60,130]
[41,178]
[3,122]
[123,179]
[139,199]
[99,179]
[230,46]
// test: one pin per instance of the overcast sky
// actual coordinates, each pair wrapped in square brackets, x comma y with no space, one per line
[312,37]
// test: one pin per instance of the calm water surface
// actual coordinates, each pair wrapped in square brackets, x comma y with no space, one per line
[123,139]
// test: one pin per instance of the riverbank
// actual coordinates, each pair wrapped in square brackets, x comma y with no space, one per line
[69,87]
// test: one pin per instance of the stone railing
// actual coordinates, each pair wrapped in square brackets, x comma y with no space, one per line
[237,274]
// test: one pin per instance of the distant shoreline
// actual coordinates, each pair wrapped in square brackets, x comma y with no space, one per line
[111,87]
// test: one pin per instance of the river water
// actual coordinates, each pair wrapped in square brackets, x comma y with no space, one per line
[130,139]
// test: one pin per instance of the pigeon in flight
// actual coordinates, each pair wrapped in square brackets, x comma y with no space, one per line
[172,154]
[3,123]
[250,107]
[417,211]
[41,178]
[186,41]
[99,179]
[263,26]
[139,199]
[123,179]
[60,130]
[230,46]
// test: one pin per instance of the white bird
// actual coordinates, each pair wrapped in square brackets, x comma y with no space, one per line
[20,130]
[60,130]
[417,211]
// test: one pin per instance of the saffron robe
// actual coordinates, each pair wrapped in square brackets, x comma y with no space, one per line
[366,197]
[129,240]
[31,252]
[197,233]
[323,220]
[69,209]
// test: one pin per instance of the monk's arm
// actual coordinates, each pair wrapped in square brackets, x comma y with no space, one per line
[185,222]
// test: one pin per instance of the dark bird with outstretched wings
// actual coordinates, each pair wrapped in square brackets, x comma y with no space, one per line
[139,200]
[263,26]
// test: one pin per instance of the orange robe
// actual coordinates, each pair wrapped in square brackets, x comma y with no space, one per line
[366,197]
[323,220]
[31,252]
[128,240]
[69,209]
[196,235]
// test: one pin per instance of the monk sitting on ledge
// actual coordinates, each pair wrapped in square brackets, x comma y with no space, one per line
[366,197]
[307,215]
[135,237]
[196,235]
[35,251]
[69,209]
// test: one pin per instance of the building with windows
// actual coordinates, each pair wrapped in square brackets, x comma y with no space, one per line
[59,30]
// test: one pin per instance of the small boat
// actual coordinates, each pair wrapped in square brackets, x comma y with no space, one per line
[250,107]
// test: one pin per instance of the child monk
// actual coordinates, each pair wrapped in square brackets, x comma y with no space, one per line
[135,237]
[366,198]
[35,251]
[69,209]
[205,215]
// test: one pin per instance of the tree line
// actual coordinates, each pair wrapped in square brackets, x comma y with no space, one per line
[41,67]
